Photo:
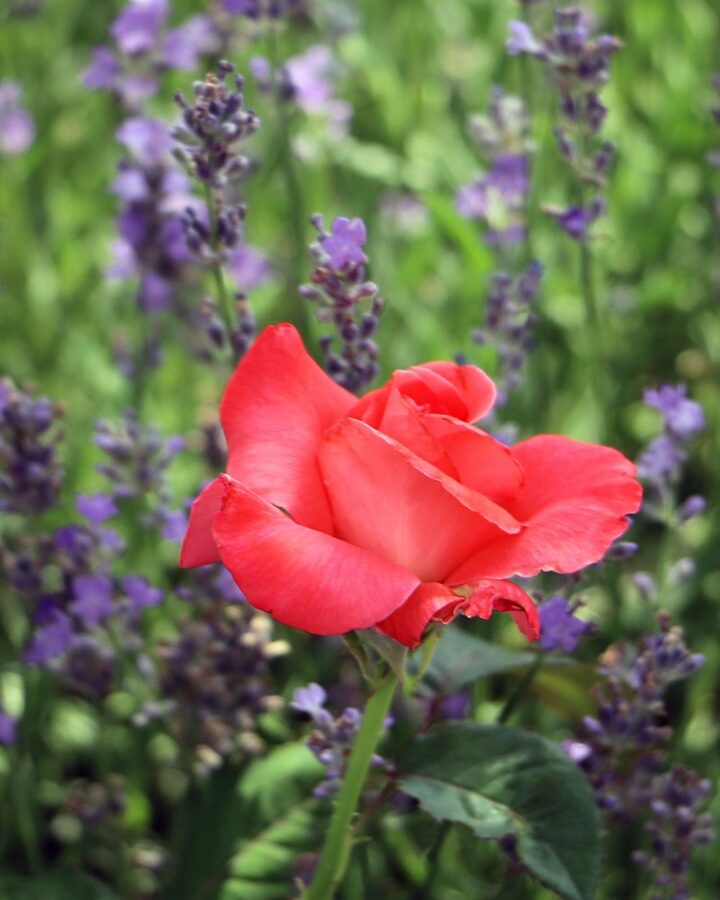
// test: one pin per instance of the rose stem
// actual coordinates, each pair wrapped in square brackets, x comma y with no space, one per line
[336,850]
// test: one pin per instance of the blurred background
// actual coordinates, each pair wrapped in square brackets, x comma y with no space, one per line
[412,75]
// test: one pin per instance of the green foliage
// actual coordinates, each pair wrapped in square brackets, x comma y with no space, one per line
[460,659]
[278,821]
[503,781]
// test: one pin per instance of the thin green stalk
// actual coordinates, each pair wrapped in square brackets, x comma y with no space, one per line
[223,298]
[336,851]
[521,689]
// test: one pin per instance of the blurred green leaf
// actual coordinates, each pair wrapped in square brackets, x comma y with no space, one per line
[65,884]
[503,781]
[461,659]
[281,821]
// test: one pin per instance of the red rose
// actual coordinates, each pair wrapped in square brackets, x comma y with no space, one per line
[393,510]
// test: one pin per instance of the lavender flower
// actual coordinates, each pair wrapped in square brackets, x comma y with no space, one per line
[207,145]
[332,738]
[17,129]
[338,287]
[144,48]
[579,67]
[30,471]
[309,81]
[214,677]
[622,753]
[8,728]
[139,458]
[268,9]
[560,629]
[509,322]
[499,195]
[661,463]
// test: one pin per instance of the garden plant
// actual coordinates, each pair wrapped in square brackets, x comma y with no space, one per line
[359,406]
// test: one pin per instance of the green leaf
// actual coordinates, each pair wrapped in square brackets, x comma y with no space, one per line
[461,659]
[65,884]
[280,821]
[503,781]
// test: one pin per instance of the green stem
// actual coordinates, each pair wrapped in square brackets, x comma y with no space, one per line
[223,298]
[521,689]
[336,851]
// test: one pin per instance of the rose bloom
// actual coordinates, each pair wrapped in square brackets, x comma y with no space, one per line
[393,510]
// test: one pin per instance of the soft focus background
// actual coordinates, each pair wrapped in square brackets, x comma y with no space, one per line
[412,73]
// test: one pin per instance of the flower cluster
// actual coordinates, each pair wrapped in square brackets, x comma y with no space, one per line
[499,196]
[339,289]
[84,616]
[211,128]
[30,471]
[17,129]
[332,738]
[264,9]
[579,66]
[144,47]
[683,421]
[309,81]
[139,457]
[206,144]
[214,677]
[509,321]
[560,628]
[622,753]
[152,245]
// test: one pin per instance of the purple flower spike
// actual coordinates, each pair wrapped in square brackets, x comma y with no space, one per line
[137,27]
[50,640]
[97,508]
[17,129]
[345,242]
[684,419]
[141,592]
[560,629]
[148,140]
[522,40]
[310,699]
[8,728]
[93,599]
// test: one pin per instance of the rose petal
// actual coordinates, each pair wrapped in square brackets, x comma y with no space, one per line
[275,409]
[436,603]
[575,502]
[198,547]
[389,501]
[301,577]
[481,463]
[464,392]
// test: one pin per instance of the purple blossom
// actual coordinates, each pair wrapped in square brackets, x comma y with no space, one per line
[248,267]
[310,699]
[136,29]
[148,140]
[50,640]
[576,220]
[93,599]
[17,129]
[683,419]
[183,46]
[560,629]
[332,738]
[96,508]
[141,592]
[30,471]
[8,728]
[345,242]
[338,287]
[103,70]
[522,40]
